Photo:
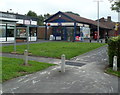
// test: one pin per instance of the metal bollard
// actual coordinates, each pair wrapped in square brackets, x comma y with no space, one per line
[26,57]
[115,63]
[63,63]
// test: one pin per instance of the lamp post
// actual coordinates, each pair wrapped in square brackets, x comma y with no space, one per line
[98,22]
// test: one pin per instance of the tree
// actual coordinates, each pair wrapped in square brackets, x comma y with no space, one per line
[73,13]
[40,20]
[46,16]
[31,13]
[116,6]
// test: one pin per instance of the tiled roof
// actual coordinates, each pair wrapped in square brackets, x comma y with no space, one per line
[80,20]
[109,24]
[86,21]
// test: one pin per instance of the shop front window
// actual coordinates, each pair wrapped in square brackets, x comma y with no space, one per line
[77,31]
[86,32]
[10,31]
[2,31]
[70,31]
[57,31]
[21,32]
[32,32]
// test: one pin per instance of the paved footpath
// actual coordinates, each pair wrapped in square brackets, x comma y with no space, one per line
[88,78]
[39,59]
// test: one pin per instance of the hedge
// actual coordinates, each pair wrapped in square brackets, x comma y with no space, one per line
[114,50]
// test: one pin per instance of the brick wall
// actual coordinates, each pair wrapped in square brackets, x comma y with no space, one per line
[41,32]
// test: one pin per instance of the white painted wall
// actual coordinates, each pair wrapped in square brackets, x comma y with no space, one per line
[33,39]
[10,39]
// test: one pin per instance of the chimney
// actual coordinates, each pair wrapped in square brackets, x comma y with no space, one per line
[109,18]
[102,19]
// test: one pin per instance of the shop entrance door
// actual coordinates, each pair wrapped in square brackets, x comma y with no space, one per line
[70,34]
[59,33]
[63,33]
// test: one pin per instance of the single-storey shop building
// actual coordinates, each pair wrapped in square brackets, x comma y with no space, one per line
[16,26]
[68,26]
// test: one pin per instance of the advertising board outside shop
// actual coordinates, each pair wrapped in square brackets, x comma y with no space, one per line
[86,32]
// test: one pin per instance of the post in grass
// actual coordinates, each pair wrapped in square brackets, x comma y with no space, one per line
[115,63]
[26,57]
[62,63]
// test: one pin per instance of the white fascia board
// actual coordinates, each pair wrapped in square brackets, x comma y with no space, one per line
[62,24]
[79,24]
[8,19]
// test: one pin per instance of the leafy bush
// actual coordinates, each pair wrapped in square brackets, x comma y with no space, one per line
[114,50]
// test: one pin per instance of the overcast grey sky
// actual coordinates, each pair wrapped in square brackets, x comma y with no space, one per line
[86,8]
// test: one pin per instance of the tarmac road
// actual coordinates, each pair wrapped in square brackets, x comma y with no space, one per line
[88,78]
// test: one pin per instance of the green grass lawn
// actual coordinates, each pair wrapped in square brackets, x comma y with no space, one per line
[55,49]
[12,67]
[110,71]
